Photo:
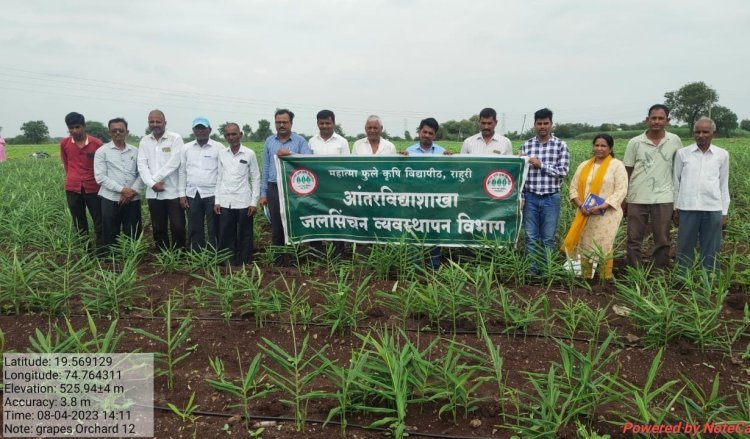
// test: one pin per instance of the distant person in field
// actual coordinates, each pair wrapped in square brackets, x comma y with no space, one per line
[487,141]
[2,149]
[592,234]
[116,171]
[649,160]
[328,142]
[373,143]
[427,132]
[81,189]
[548,160]
[237,193]
[701,191]
[283,143]
[199,169]
[159,156]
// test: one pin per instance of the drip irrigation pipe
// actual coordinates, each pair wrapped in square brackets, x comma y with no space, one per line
[321,422]
[430,331]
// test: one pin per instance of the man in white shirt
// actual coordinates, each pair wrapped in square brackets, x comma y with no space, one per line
[116,171]
[159,156]
[373,144]
[487,142]
[701,193]
[327,142]
[199,169]
[237,193]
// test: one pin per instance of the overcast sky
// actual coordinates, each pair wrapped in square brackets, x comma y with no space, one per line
[589,61]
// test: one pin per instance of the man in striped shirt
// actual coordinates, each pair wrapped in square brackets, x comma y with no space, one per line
[548,165]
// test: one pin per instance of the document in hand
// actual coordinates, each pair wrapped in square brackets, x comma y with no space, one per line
[593,200]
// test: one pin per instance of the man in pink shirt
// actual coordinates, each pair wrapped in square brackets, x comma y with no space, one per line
[81,188]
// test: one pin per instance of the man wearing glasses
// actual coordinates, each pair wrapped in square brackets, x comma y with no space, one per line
[77,155]
[281,144]
[116,171]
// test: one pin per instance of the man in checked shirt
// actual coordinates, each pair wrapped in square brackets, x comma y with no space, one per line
[548,165]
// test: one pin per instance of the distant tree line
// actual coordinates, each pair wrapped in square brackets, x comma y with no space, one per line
[687,104]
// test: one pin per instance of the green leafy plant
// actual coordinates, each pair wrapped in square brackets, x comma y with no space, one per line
[297,370]
[247,388]
[174,342]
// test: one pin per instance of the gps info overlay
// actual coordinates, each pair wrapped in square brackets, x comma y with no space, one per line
[80,395]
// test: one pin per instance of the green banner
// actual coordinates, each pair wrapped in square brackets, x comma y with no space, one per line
[457,200]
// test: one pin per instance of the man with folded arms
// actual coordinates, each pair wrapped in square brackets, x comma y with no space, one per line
[237,193]
[116,170]
[159,155]
[199,169]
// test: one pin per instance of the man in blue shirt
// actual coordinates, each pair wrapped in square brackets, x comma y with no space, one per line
[281,144]
[427,132]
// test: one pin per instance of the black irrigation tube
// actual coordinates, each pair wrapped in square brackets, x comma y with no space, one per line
[425,331]
[321,422]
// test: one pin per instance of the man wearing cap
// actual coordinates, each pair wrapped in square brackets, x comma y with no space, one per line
[159,156]
[283,143]
[199,168]
[81,189]
[116,170]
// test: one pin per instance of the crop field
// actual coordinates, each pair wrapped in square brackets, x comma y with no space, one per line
[372,344]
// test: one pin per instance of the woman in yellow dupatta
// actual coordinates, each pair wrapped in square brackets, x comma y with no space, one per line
[595,225]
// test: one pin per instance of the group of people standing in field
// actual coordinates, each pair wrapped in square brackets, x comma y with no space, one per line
[657,183]
[221,188]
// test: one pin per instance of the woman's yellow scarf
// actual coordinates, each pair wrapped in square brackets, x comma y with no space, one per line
[579,222]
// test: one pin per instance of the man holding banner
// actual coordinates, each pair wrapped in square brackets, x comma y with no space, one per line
[427,132]
[283,143]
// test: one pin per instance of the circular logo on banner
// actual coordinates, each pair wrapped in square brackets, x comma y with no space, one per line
[303,182]
[499,184]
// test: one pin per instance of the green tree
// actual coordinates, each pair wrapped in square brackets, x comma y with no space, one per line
[745,124]
[690,102]
[407,135]
[247,132]
[222,128]
[338,130]
[459,130]
[725,120]
[264,130]
[98,130]
[35,131]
